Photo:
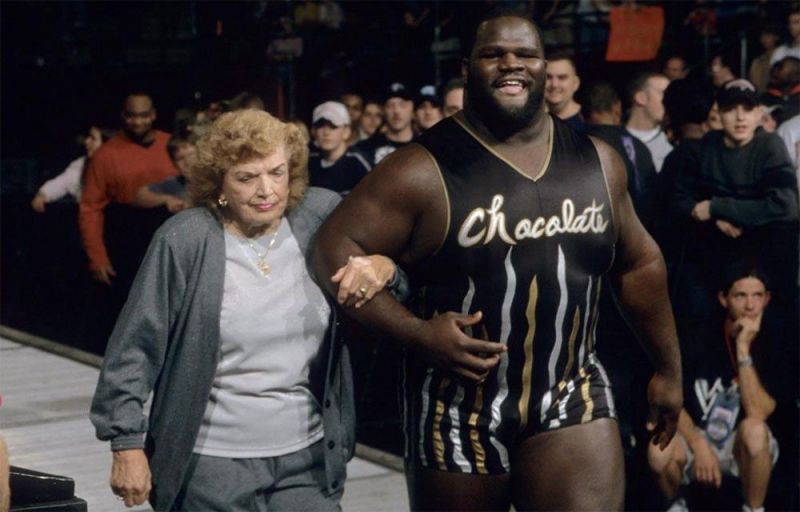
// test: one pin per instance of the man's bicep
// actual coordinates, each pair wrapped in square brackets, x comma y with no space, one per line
[381,213]
[627,226]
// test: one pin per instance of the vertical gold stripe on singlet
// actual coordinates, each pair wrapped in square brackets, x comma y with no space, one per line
[438,444]
[587,397]
[480,453]
[576,323]
[527,367]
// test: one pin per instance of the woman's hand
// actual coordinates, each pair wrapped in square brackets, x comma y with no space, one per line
[130,476]
[362,278]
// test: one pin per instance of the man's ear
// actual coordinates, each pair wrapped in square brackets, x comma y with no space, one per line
[640,98]
[616,111]
[155,114]
[723,299]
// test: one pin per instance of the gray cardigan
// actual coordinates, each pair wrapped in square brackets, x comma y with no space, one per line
[167,340]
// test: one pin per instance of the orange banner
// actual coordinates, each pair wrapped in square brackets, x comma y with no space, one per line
[636,34]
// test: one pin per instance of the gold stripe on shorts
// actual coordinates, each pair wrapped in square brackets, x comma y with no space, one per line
[480,453]
[438,444]
[587,398]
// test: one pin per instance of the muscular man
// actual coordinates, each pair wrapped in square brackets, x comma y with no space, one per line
[509,219]
[723,428]
[134,158]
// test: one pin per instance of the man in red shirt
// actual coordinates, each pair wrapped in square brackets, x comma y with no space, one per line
[134,158]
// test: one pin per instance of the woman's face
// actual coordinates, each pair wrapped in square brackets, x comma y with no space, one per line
[257,193]
[93,141]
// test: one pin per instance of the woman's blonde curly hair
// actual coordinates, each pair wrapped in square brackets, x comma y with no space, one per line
[240,137]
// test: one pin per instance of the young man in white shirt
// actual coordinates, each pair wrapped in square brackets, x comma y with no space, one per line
[647,114]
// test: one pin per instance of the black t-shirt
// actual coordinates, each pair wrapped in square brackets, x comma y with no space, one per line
[340,176]
[709,366]
[378,147]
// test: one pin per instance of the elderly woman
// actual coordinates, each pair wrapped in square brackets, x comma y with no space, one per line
[252,401]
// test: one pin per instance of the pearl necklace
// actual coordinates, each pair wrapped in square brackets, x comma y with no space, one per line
[261,257]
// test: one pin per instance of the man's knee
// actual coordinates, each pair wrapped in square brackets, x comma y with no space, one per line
[753,437]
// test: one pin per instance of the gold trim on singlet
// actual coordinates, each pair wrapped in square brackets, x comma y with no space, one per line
[527,367]
[462,121]
[438,443]
[480,453]
[446,199]
[587,397]
[576,322]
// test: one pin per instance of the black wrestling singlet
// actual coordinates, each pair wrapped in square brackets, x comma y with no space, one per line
[529,253]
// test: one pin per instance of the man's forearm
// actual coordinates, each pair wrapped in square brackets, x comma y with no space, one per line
[687,428]
[642,293]
[91,228]
[383,313]
[756,402]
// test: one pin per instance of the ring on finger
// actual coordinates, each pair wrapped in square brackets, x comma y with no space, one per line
[362,291]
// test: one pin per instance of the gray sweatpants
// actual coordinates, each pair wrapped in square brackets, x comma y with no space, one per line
[291,482]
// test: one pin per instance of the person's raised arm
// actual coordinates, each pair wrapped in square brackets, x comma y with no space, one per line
[639,278]
[399,210]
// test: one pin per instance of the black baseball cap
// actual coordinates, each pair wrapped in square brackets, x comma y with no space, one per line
[428,93]
[397,90]
[737,92]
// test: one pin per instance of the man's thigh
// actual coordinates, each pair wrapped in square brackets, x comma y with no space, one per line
[573,468]
[432,489]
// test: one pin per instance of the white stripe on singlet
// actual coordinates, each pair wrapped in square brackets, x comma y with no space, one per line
[562,408]
[560,314]
[587,309]
[467,303]
[455,438]
[609,397]
[426,391]
[502,384]
[458,449]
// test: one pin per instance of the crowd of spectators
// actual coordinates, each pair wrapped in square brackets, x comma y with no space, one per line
[713,173]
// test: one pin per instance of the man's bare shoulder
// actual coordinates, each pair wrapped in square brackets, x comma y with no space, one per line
[613,168]
[410,170]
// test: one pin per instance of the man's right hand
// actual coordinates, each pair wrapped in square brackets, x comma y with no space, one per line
[728,229]
[103,274]
[446,346]
[130,476]
[706,464]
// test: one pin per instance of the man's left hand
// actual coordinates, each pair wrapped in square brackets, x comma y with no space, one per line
[665,395]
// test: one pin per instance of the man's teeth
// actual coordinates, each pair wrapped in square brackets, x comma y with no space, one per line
[510,82]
